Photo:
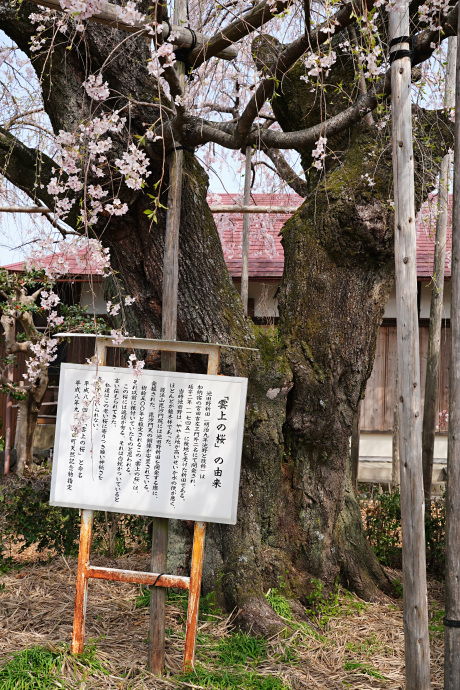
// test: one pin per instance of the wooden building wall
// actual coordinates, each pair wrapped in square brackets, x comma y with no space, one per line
[75,350]
[376,410]
[378,404]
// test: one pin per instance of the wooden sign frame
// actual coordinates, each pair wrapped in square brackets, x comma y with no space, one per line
[86,571]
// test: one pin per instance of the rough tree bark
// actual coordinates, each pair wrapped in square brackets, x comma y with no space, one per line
[298,517]
[33,393]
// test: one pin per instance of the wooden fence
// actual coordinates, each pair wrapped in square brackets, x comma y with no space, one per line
[75,350]
[377,407]
[378,404]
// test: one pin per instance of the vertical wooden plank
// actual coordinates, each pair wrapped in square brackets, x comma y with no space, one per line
[84,553]
[452,619]
[391,379]
[194,594]
[354,450]
[8,424]
[86,531]
[417,648]
[156,652]
[430,408]
[245,240]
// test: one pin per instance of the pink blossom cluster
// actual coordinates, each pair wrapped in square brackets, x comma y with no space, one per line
[82,9]
[136,365]
[89,142]
[113,309]
[45,352]
[164,56]
[80,419]
[316,64]
[371,58]
[118,337]
[431,11]
[96,88]
[44,20]
[443,421]
[133,165]
[83,251]
[48,300]
[319,153]
[130,14]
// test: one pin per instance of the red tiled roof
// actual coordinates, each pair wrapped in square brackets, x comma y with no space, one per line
[75,268]
[266,257]
[426,233]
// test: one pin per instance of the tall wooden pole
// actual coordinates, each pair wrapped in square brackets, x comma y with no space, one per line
[245,240]
[417,648]
[430,407]
[156,652]
[8,425]
[452,619]
[354,448]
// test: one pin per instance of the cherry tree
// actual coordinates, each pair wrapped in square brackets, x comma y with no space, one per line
[30,298]
[306,90]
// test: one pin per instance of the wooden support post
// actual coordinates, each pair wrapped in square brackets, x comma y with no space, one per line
[156,652]
[84,553]
[452,619]
[245,240]
[354,450]
[194,594]
[86,532]
[417,648]
[430,408]
[395,464]
[8,425]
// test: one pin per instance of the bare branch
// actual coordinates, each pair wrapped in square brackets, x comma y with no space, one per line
[240,27]
[109,15]
[15,118]
[286,173]
[287,57]
[25,209]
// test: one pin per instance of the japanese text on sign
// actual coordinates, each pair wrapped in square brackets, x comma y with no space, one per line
[163,444]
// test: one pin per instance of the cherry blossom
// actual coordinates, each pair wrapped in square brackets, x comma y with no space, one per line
[95,88]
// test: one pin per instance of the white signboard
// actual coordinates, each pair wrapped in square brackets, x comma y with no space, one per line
[163,444]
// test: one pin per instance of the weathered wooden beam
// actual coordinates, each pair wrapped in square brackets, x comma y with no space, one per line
[110,15]
[416,639]
[234,208]
[156,653]
[452,618]
[245,238]
[430,408]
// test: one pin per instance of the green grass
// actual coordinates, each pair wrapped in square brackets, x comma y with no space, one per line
[32,669]
[338,603]
[279,603]
[240,648]
[39,668]
[359,667]
[231,679]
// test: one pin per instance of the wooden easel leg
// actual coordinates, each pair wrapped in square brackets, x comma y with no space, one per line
[86,533]
[194,594]
[156,652]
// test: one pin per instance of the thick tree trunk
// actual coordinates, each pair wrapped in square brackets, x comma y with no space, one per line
[298,517]
[27,422]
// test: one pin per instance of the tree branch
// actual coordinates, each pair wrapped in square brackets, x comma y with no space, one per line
[286,173]
[30,170]
[287,57]
[238,29]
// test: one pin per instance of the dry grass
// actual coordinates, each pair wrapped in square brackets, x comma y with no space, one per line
[362,647]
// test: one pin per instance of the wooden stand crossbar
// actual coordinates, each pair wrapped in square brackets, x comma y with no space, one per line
[85,571]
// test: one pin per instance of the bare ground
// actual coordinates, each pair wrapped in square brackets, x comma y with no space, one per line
[362,647]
